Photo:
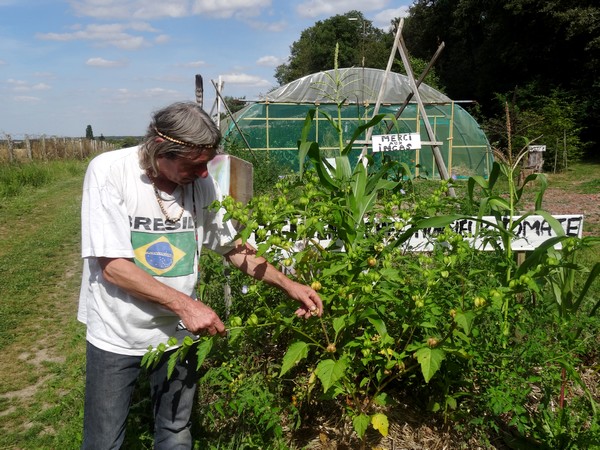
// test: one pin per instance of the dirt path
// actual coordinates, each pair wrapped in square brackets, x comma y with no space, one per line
[558,201]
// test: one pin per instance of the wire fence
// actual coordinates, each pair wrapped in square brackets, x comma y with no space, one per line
[46,148]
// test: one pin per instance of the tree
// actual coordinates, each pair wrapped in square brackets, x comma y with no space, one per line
[89,134]
[359,43]
[498,46]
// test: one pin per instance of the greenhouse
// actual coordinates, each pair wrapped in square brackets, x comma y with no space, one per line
[274,124]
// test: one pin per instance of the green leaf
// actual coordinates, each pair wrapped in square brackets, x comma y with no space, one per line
[335,268]
[338,324]
[203,350]
[465,320]
[172,362]
[392,275]
[295,352]
[330,371]
[430,360]
[361,423]
[343,171]
[380,423]
[360,130]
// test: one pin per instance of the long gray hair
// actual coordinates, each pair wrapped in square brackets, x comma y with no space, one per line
[182,128]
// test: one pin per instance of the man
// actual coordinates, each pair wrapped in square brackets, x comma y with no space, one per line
[145,219]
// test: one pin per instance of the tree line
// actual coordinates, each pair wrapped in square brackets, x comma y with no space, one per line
[531,68]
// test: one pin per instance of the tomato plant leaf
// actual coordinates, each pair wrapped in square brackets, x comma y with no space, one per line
[338,324]
[330,371]
[361,423]
[465,320]
[203,350]
[295,352]
[380,423]
[430,360]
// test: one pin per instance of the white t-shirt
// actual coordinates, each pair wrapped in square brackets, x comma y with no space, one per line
[121,218]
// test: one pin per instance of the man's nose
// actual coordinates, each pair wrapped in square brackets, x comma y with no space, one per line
[202,171]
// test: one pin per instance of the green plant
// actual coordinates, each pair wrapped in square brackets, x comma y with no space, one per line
[470,330]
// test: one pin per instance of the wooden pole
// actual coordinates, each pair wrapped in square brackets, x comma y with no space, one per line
[419,81]
[382,88]
[436,149]
[11,149]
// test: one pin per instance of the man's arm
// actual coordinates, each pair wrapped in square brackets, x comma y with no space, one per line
[244,258]
[196,316]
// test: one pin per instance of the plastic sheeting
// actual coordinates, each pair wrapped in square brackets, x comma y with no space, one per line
[274,125]
[358,85]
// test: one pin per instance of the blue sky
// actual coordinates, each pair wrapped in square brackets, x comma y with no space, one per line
[66,64]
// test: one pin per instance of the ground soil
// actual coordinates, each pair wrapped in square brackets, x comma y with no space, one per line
[559,201]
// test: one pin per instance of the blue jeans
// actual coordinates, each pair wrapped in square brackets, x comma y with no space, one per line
[110,380]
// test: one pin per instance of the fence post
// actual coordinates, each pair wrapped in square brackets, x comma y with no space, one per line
[28,148]
[11,150]
[44,154]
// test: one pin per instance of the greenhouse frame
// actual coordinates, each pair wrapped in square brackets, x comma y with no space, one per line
[274,123]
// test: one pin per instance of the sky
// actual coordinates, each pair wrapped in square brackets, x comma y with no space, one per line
[67,64]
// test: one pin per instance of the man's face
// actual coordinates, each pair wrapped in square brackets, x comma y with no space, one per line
[185,169]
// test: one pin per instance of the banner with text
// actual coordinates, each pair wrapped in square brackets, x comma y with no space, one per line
[395,142]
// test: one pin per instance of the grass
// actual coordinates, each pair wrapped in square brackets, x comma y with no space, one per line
[42,346]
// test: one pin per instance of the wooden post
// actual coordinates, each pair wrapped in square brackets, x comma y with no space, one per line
[28,148]
[436,149]
[43,142]
[11,149]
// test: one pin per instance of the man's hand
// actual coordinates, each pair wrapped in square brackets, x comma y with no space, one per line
[199,318]
[196,316]
[311,304]
[244,257]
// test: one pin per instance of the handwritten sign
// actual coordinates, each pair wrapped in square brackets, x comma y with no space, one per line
[536,148]
[395,142]
[530,233]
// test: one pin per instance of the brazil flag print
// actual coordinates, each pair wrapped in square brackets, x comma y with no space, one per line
[165,255]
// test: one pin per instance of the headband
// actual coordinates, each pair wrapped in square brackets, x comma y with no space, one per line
[187,144]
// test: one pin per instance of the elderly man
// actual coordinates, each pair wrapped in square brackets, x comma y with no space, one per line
[145,219]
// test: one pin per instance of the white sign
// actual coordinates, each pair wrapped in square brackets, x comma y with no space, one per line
[537,148]
[530,233]
[395,142]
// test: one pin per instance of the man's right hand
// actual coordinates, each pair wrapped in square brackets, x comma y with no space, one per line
[199,318]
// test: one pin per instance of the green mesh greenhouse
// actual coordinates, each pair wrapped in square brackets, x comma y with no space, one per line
[273,125]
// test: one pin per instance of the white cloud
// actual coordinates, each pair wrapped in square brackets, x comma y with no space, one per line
[25,86]
[2,62]
[104,35]
[274,27]
[319,8]
[152,9]
[101,62]
[384,18]
[26,98]
[125,96]
[160,92]
[229,8]
[194,64]
[245,79]
[162,39]
[269,61]
[40,87]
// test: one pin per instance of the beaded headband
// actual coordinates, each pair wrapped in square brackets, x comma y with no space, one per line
[187,144]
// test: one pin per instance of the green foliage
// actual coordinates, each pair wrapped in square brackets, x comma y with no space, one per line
[496,47]
[469,330]
[552,120]
[359,41]
[266,170]
[16,177]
